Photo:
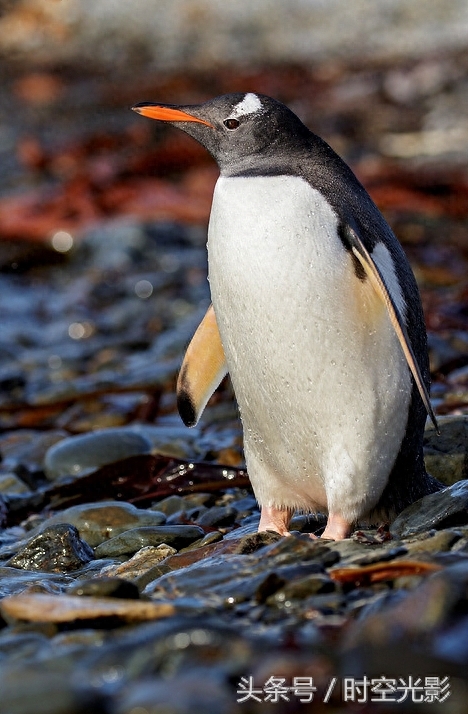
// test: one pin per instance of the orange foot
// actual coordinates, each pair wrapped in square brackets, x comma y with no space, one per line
[275,519]
[337,528]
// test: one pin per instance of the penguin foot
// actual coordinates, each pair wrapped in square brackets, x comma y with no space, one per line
[337,528]
[275,519]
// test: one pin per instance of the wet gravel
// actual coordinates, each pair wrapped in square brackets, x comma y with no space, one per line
[127,598]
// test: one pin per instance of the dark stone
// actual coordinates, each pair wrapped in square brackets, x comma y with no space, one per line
[218,517]
[57,549]
[446,455]
[105,587]
[132,540]
[443,509]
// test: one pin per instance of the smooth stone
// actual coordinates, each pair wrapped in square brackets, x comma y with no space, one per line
[98,522]
[80,454]
[446,456]
[306,523]
[39,607]
[105,587]
[56,549]
[170,440]
[140,563]
[169,505]
[10,483]
[132,540]
[302,588]
[208,539]
[190,516]
[218,517]
[445,509]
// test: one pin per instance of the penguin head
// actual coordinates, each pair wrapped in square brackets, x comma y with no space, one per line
[240,131]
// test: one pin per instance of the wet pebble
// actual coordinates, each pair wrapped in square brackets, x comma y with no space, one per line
[98,522]
[139,564]
[440,510]
[57,549]
[10,483]
[78,455]
[132,540]
[218,517]
[302,588]
[233,578]
[105,587]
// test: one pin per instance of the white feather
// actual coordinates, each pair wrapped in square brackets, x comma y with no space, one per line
[319,375]
[249,105]
[384,262]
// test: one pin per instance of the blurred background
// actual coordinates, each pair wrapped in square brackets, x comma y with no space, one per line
[103,214]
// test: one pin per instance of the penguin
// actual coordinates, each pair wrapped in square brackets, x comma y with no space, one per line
[315,315]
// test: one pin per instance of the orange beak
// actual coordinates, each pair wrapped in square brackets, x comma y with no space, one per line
[153,111]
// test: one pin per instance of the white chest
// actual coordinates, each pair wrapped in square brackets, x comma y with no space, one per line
[315,365]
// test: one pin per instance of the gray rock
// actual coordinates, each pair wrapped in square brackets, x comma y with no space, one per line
[302,588]
[132,540]
[57,549]
[446,456]
[444,509]
[105,587]
[170,504]
[218,517]
[80,454]
[10,483]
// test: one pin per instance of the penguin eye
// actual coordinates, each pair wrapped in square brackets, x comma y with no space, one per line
[231,123]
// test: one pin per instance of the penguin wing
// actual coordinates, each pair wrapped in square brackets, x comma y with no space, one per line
[384,291]
[202,370]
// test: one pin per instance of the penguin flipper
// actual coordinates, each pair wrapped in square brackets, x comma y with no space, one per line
[377,280]
[202,370]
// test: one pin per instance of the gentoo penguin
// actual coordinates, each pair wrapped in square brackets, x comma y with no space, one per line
[315,315]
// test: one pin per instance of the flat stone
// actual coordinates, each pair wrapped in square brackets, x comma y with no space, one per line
[139,564]
[80,454]
[132,540]
[39,607]
[58,549]
[445,509]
